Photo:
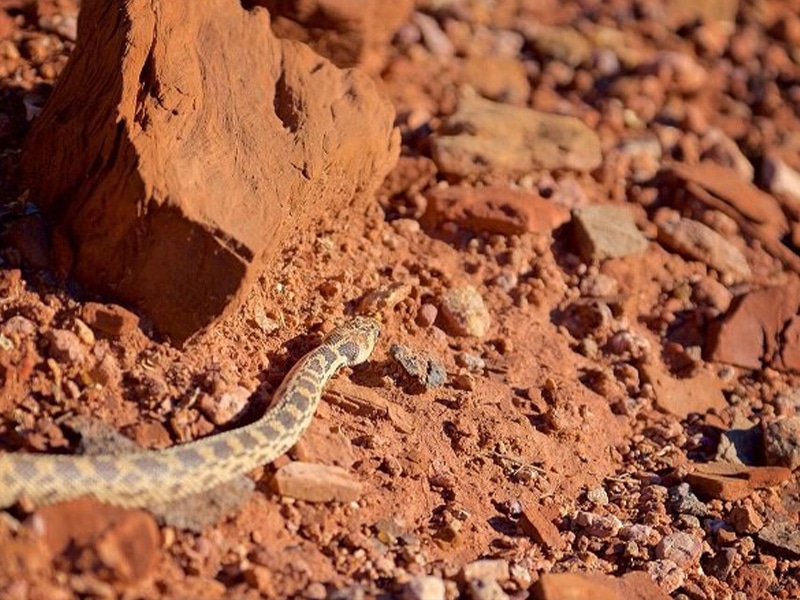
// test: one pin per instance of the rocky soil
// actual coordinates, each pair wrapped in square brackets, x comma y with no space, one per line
[586,264]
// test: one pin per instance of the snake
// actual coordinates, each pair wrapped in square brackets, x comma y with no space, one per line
[146,478]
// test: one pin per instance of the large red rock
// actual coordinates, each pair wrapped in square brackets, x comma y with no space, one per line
[762,328]
[185,145]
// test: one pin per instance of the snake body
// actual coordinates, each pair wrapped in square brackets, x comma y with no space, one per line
[150,478]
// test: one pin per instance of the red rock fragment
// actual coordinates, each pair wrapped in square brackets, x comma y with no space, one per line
[540,529]
[761,329]
[730,482]
[682,397]
[681,548]
[637,585]
[499,78]
[316,483]
[574,586]
[110,319]
[745,519]
[149,434]
[493,210]
[324,444]
[758,214]
[119,544]
[753,580]
[718,486]
[741,195]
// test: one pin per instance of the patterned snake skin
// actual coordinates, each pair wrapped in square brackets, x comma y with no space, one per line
[156,477]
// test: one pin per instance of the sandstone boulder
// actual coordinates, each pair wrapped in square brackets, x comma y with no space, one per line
[185,145]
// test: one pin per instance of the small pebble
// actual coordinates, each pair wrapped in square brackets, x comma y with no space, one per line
[84,332]
[316,591]
[110,319]
[65,347]
[19,325]
[683,549]
[426,316]
[486,589]
[641,534]
[683,501]
[260,578]
[227,407]
[599,286]
[599,526]
[424,588]
[746,520]
[471,362]
[487,568]
[598,496]
[388,530]
[723,563]
[666,574]
[316,483]
[464,381]
[424,368]
[464,312]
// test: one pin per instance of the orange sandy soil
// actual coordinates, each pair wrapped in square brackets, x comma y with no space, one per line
[556,414]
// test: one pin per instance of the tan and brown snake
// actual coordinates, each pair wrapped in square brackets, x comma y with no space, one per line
[153,477]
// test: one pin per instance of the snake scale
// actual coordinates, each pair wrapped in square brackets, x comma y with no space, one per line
[149,478]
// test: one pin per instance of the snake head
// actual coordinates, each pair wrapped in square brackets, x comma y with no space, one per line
[356,339]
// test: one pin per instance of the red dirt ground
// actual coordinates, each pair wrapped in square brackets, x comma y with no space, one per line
[563,420]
